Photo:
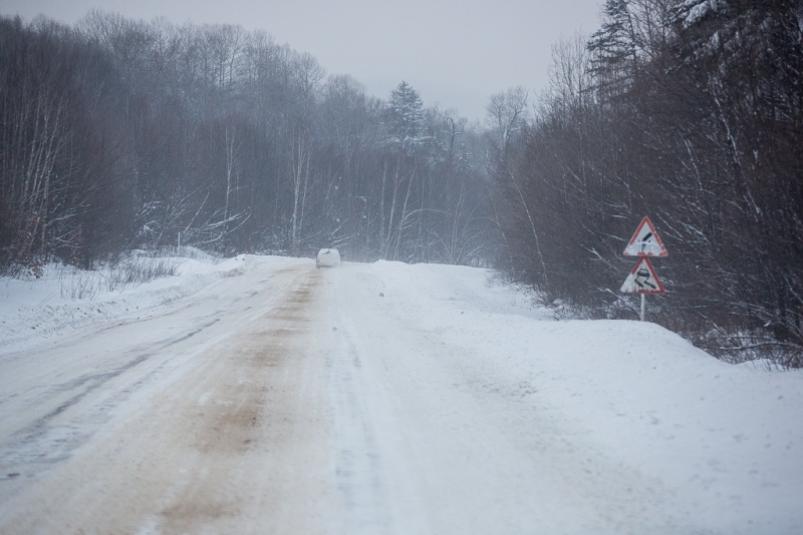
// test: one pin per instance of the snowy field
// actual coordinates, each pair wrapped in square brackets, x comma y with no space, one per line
[260,395]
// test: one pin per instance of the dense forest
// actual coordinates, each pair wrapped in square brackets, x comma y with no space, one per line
[689,111]
[118,134]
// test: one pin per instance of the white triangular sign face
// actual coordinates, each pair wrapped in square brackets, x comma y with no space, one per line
[646,241]
[643,279]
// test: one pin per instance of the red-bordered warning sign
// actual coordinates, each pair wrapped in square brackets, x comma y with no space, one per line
[646,241]
[643,279]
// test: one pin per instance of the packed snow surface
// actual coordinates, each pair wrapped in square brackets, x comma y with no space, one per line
[260,395]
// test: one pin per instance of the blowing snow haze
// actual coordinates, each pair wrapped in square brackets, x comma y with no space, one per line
[455,52]
[241,292]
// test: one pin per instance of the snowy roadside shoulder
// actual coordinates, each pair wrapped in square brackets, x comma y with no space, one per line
[723,438]
[455,287]
[65,299]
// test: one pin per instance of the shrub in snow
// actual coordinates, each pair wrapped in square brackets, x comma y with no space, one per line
[140,270]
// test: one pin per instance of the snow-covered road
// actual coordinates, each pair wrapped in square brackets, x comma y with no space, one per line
[387,398]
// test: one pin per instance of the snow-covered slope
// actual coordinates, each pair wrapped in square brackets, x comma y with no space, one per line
[381,398]
[65,300]
[660,432]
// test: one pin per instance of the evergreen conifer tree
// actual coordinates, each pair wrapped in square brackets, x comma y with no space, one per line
[405,113]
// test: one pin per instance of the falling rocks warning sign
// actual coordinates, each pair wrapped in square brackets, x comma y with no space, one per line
[646,241]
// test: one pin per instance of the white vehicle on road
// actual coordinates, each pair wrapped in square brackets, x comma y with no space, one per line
[327,258]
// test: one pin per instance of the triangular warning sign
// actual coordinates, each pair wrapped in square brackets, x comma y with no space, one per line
[646,241]
[643,279]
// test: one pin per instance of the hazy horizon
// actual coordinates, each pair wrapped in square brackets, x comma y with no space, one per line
[456,53]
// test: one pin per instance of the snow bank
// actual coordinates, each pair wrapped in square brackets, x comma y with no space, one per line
[725,442]
[66,299]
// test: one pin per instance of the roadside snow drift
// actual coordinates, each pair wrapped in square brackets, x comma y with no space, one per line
[260,395]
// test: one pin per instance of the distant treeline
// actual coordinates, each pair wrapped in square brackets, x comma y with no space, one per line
[118,134]
[692,112]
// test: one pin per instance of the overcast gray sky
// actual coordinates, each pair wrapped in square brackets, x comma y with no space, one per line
[456,53]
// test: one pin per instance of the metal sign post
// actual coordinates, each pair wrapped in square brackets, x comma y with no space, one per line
[643,306]
[643,279]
